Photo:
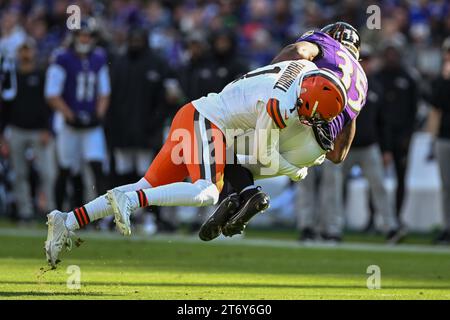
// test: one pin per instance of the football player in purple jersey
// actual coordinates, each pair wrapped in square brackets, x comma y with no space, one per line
[335,47]
[78,89]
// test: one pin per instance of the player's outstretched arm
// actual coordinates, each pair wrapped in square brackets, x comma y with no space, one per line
[343,142]
[296,51]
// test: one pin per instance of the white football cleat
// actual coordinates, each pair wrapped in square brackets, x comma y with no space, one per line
[122,208]
[58,237]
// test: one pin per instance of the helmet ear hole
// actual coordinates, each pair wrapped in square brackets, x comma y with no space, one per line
[307,105]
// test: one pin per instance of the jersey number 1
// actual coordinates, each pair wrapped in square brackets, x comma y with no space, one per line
[255,74]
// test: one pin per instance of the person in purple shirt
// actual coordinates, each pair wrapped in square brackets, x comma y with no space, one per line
[78,89]
[335,47]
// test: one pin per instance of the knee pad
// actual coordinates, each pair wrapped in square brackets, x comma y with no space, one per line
[209,194]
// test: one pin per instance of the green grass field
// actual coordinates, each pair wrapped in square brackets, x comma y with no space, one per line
[185,268]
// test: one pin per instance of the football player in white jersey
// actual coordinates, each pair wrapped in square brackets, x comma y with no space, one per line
[278,97]
[335,47]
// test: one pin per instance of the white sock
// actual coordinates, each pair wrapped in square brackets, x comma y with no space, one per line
[94,210]
[134,197]
[71,222]
[200,193]
[98,208]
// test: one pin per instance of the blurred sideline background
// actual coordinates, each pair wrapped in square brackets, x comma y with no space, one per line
[202,45]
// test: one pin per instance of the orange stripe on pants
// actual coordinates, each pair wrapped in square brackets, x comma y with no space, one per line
[183,153]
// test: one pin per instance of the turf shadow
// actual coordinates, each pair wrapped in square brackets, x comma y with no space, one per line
[51,294]
[230,285]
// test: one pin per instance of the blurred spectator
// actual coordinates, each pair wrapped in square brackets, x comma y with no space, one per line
[228,65]
[366,152]
[441,109]
[400,106]
[27,117]
[426,58]
[12,33]
[78,88]
[8,79]
[197,77]
[142,85]
[210,67]
[46,41]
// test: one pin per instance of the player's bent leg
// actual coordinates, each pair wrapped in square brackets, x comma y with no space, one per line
[198,194]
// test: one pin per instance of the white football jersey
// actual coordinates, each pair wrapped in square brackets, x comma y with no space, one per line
[266,99]
[235,107]
[297,144]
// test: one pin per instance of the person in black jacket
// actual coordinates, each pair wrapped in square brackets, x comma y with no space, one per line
[366,152]
[211,65]
[441,111]
[228,66]
[198,76]
[138,108]
[400,104]
[27,120]
[143,90]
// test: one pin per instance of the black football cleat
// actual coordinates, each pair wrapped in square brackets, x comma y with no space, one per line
[212,228]
[253,202]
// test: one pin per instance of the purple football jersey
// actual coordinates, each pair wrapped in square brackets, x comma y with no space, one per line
[81,82]
[335,57]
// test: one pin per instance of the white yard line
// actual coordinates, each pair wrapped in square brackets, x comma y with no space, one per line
[349,246]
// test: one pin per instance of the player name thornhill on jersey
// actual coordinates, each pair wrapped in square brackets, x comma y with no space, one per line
[289,75]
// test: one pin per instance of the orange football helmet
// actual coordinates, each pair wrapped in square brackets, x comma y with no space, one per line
[322,96]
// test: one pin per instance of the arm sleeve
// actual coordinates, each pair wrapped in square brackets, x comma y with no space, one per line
[104,85]
[54,83]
